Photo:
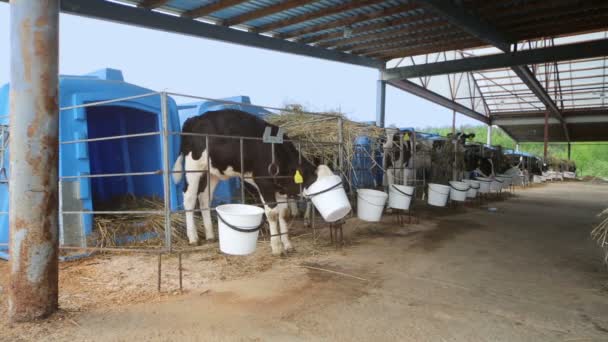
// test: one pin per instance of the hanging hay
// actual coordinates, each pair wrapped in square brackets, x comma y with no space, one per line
[447,162]
[302,126]
[137,229]
[600,234]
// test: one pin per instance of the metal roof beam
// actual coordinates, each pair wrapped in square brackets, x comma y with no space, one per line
[355,19]
[388,26]
[105,10]
[315,15]
[264,12]
[596,48]
[151,4]
[210,8]
[470,23]
[426,94]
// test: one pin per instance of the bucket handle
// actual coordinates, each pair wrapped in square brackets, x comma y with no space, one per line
[252,230]
[337,185]
[402,192]
[370,203]
[460,189]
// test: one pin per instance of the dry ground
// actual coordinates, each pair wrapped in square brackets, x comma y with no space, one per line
[526,272]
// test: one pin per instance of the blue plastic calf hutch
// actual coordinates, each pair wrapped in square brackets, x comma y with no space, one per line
[228,191]
[125,155]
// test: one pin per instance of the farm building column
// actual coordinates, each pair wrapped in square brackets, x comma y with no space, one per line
[489,137]
[380,102]
[34,119]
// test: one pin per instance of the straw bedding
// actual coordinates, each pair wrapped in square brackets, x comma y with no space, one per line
[140,229]
[600,234]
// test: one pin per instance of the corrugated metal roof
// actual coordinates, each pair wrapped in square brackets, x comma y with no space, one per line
[424,32]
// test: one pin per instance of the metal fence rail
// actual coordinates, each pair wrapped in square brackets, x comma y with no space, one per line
[164,133]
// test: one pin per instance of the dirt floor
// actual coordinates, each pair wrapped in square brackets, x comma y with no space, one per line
[527,271]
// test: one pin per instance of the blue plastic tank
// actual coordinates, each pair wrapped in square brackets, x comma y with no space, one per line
[141,154]
[228,191]
[364,171]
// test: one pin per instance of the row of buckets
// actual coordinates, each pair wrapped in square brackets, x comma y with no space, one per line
[239,223]
[371,203]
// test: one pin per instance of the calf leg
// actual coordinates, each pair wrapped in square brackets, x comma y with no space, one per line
[190,193]
[272,214]
[308,214]
[283,224]
[293,208]
[204,199]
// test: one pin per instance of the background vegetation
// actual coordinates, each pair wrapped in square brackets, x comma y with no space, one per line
[591,158]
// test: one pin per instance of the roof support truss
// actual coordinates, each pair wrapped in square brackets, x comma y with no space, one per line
[591,49]
[471,24]
[426,94]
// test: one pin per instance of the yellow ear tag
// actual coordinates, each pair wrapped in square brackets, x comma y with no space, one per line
[297,178]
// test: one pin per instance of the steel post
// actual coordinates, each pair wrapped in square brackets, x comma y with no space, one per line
[167,169]
[341,147]
[489,137]
[241,152]
[380,103]
[546,136]
[569,150]
[34,123]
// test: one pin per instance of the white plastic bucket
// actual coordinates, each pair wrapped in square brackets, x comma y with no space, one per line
[458,191]
[370,204]
[400,196]
[239,226]
[484,184]
[506,180]
[438,194]
[328,196]
[473,187]
[496,185]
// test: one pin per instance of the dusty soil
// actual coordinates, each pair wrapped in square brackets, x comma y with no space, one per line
[526,272]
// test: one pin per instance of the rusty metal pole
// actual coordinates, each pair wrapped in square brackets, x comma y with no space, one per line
[546,136]
[34,122]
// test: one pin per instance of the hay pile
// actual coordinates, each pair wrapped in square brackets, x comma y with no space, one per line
[145,230]
[600,234]
[447,162]
[297,124]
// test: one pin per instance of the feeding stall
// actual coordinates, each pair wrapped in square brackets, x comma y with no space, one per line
[133,159]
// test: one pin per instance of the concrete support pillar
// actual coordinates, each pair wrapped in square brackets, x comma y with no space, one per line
[517,147]
[380,103]
[34,150]
[489,137]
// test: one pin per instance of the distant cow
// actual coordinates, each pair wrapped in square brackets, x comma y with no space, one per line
[397,153]
[222,158]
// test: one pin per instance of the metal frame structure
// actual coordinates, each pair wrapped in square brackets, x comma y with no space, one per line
[165,134]
[366,33]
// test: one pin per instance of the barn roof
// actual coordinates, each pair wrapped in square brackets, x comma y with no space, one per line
[503,62]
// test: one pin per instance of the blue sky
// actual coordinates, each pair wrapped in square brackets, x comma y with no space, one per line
[164,61]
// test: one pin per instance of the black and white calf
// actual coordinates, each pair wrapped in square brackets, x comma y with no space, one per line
[397,155]
[222,159]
